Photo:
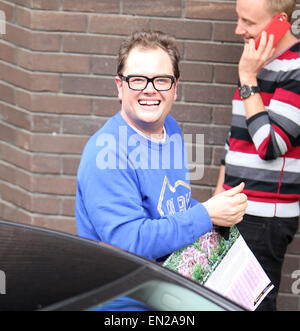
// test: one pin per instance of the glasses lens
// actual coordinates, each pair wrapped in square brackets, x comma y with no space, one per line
[137,83]
[163,83]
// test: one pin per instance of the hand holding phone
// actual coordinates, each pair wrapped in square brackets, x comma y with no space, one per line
[277,27]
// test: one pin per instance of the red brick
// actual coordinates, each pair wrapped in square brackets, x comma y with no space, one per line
[213,52]
[43,41]
[15,116]
[226,32]
[57,104]
[15,195]
[89,86]
[217,155]
[54,21]
[15,156]
[53,62]
[97,6]
[82,126]
[171,8]
[14,75]
[104,65]
[49,164]
[57,223]
[197,72]
[44,82]
[53,185]
[106,107]
[222,115]
[91,44]
[218,94]
[213,135]
[45,123]
[17,35]
[7,52]
[294,247]
[288,302]
[191,113]
[48,143]
[68,207]
[23,16]
[227,74]
[7,133]
[27,80]
[201,193]
[209,178]
[184,29]
[70,165]
[25,3]
[45,4]
[44,204]
[24,217]
[211,10]
[7,93]
[115,24]
[8,211]
[7,173]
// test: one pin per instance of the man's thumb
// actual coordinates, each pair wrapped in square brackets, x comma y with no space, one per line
[235,190]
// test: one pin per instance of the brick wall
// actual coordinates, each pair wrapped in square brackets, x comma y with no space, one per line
[57,63]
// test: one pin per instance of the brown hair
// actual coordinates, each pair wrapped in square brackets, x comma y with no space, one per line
[278,6]
[149,40]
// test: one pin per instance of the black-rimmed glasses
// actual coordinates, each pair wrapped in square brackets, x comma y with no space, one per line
[139,83]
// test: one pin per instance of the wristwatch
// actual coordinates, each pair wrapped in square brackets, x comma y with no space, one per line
[247,90]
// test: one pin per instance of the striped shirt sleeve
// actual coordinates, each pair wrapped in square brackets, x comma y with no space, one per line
[274,131]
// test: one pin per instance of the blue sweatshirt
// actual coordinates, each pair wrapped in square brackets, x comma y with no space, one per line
[135,193]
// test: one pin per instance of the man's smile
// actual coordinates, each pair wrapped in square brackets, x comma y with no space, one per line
[149,102]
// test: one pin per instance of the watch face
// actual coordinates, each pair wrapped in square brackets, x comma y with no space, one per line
[245,91]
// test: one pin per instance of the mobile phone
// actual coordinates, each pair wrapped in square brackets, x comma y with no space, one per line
[277,27]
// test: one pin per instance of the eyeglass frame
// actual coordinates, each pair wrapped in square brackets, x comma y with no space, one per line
[149,80]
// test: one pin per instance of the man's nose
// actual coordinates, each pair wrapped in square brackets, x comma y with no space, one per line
[239,30]
[149,88]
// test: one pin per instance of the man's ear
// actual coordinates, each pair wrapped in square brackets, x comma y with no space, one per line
[284,15]
[119,84]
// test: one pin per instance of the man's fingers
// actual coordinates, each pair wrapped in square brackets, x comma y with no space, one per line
[240,198]
[235,190]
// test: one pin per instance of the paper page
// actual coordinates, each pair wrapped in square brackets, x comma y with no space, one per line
[225,266]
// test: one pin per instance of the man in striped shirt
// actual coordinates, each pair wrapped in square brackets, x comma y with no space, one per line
[263,146]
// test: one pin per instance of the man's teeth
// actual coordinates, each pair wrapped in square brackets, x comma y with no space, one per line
[149,102]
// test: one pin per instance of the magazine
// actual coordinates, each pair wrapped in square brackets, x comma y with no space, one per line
[227,267]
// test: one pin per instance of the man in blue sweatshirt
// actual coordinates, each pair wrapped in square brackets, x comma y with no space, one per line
[133,188]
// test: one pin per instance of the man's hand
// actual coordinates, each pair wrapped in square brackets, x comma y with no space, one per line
[227,208]
[252,60]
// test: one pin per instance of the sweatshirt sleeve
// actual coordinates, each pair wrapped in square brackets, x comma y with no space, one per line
[115,215]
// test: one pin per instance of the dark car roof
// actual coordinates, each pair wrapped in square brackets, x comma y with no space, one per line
[48,269]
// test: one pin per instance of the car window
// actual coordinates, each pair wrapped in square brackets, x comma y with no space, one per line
[159,295]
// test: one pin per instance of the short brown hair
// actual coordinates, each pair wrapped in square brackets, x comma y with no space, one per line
[149,40]
[278,6]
